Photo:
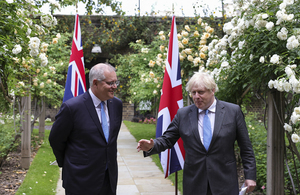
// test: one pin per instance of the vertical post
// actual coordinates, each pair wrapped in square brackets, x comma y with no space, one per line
[139,7]
[176,182]
[275,144]
[42,119]
[26,133]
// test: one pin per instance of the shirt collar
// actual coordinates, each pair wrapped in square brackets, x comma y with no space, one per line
[212,107]
[96,101]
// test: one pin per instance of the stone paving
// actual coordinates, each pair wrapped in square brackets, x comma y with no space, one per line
[137,175]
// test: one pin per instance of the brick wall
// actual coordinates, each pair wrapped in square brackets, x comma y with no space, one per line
[258,106]
[128,112]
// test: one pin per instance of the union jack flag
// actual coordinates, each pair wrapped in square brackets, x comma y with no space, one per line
[172,160]
[75,84]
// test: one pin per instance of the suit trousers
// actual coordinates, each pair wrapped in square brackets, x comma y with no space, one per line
[208,190]
[106,187]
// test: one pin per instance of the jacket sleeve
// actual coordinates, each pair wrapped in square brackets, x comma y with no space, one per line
[59,133]
[168,139]
[246,150]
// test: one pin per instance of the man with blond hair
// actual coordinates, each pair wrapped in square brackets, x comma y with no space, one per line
[209,129]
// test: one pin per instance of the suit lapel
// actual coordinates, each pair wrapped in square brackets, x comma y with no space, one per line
[219,116]
[193,116]
[92,111]
[110,107]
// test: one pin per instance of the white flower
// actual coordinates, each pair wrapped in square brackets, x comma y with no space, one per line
[287,86]
[152,75]
[22,83]
[187,28]
[34,52]
[188,51]
[9,1]
[289,71]
[292,42]
[288,127]
[48,20]
[297,110]
[17,49]
[290,17]
[251,57]
[241,44]
[269,25]
[42,85]
[262,59]
[281,36]
[144,50]
[282,6]
[271,84]
[289,2]
[44,62]
[154,92]
[28,32]
[295,118]
[264,16]
[275,59]
[225,64]
[223,53]
[184,33]
[295,138]
[190,58]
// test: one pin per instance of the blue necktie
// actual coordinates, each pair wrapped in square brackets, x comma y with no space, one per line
[206,130]
[104,121]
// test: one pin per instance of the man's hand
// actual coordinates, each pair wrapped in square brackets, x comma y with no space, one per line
[251,184]
[145,145]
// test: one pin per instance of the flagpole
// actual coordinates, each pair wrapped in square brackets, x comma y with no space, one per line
[76,7]
[176,173]
[176,183]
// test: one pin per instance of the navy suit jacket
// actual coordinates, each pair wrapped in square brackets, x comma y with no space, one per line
[217,166]
[79,145]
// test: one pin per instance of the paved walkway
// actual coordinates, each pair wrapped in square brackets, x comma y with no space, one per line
[137,175]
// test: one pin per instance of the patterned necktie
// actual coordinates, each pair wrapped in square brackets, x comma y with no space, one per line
[206,130]
[104,121]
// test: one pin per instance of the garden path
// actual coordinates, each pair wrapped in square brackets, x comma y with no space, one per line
[137,175]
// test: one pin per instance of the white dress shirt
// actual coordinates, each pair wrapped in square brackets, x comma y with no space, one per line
[211,115]
[96,102]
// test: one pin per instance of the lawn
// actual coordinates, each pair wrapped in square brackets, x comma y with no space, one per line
[41,177]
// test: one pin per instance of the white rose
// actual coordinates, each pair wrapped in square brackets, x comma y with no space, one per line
[288,127]
[295,138]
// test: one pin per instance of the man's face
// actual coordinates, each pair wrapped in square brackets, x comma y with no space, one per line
[202,97]
[104,90]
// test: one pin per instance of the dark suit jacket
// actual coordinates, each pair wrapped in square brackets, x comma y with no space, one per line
[80,147]
[217,166]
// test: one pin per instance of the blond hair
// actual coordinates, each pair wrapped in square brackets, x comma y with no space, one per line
[201,79]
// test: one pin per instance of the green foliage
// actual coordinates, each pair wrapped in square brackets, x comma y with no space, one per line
[7,136]
[141,72]
[258,138]
[41,177]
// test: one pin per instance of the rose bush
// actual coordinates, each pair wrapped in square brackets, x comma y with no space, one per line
[141,73]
